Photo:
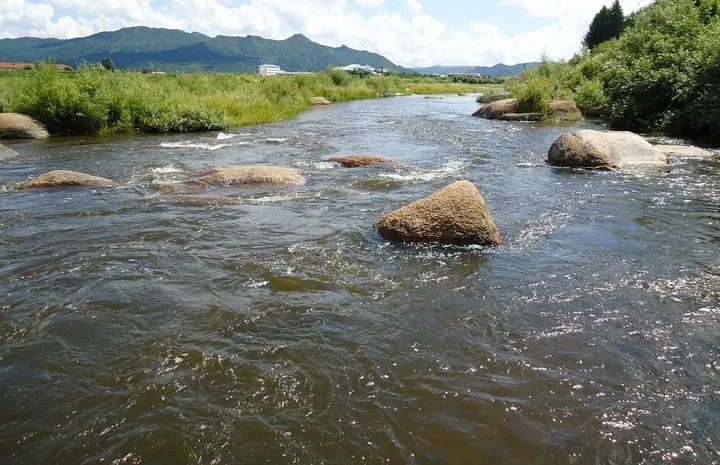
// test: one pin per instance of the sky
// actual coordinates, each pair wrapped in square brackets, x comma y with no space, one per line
[408,32]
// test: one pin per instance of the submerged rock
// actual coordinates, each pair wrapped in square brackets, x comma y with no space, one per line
[355,161]
[319,101]
[456,214]
[64,178]
[252,174]
[603,150]
[433,97]
[685,151]
[6,153]
[202,200]
[18,126]
[508,110]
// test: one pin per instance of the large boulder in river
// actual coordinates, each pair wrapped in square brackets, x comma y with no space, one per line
[603,150]
[18,126]
[252,174]
[65,178]
[509,110]
[355,161]
[456,214]
[319,101]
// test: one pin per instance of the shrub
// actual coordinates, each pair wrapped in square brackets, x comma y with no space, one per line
[590,96]
[340,77]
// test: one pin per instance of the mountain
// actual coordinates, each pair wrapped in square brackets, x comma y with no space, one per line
[500,70]
[169,49]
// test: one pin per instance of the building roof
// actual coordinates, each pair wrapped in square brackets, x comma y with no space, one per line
[20,66]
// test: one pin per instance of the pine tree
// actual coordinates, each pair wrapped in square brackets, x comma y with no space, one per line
[617,17]
[607,24]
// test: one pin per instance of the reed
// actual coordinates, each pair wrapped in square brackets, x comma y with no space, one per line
[94,100]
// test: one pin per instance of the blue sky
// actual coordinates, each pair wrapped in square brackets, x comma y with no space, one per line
[409,32]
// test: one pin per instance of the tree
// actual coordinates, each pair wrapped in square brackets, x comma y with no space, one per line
[607,24]
[108,64]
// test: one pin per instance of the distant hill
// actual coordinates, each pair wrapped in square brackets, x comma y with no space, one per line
[500,70]
[169,49]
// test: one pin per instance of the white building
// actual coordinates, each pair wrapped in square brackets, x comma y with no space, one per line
[356,67]
[270,70]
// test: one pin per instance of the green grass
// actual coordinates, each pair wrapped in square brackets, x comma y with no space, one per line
[93,100]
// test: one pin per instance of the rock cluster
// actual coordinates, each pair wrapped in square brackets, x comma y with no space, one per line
[509,110]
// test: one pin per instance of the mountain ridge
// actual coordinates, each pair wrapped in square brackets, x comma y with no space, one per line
[172,49]
[499,70]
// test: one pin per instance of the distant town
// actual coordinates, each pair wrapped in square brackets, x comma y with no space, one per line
[275,70]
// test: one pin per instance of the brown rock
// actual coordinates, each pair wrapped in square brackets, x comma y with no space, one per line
[18,126]
[602,149]
[355,161]
[456,214]
[319,101]
[564,110]
[64,178]
[494,110]
[252,174]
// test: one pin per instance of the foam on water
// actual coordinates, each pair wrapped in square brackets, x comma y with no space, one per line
[192,145]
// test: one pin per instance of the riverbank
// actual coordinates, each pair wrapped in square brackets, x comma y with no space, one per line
[93,100]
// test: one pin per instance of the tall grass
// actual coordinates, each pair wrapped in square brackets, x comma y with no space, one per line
[94,100]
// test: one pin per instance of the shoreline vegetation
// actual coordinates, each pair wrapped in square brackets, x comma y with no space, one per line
[657,72]
[95,100]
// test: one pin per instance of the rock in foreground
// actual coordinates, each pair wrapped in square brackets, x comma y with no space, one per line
[64,178]
[456,214]
[603,150]
[252,174]
[509,110]
[355,161]
[319,101]
[18,126]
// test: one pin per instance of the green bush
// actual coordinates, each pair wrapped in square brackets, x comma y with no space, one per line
[340,77]
[590,96]
[533,91]
[93,99]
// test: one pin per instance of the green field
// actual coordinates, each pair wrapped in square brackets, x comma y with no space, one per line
[94,100]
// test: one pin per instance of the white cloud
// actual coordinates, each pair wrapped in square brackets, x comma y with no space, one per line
[409,36]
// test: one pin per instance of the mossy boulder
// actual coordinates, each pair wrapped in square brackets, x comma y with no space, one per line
[509,110]
[355,161]
[18,126]
[252,174]
[65,178]
[456,214]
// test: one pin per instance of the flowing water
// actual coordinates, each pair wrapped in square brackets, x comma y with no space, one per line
[142,328]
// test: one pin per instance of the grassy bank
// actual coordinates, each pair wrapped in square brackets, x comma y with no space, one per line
[93,100]
[662,74]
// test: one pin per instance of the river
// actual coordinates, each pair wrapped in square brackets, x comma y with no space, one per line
[138,329]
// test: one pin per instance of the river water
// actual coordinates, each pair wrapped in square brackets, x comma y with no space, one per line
[141,329]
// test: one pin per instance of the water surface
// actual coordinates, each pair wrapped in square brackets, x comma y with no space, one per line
[136,329]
